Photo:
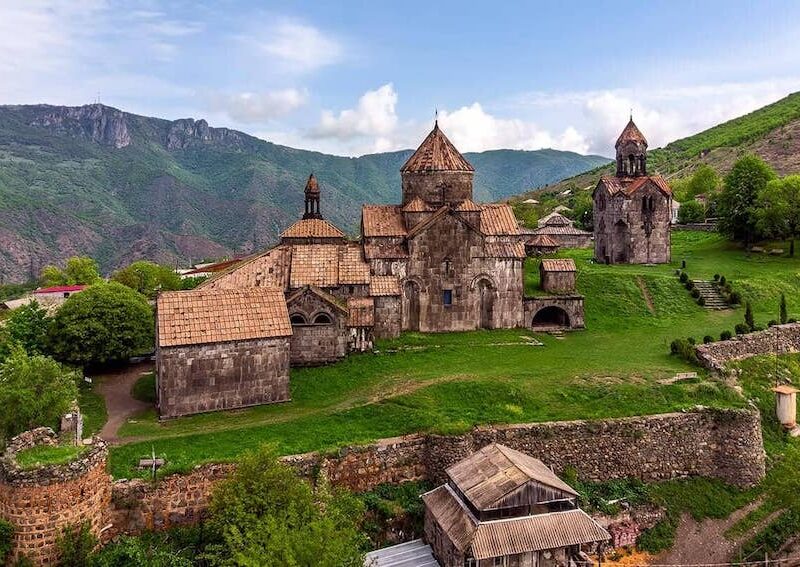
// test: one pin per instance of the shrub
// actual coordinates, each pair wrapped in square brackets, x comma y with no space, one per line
[722,280]
[678,272]
[685,349]
[6,539]
[708,339]
[748,316]
[725,336]
[695,293]
[716,277]
[701,301]
[27,327]
[734,298]
[691,341]
[76,545]
[783,313]
[684,277]
[689,285]
[742,329]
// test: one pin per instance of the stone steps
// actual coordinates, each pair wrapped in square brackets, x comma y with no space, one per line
[711,294]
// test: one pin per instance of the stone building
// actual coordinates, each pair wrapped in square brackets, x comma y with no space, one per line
[632,210]
[559,229]
[560,307]
[221,349]
[502,507]
[557,275]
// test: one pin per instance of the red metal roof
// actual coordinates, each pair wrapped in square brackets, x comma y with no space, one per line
[60,289]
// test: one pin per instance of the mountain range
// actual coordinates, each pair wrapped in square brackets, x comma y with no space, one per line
[94,180]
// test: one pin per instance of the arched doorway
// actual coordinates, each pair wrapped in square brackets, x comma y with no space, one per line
[486,303]
[621,243]
[551,317]
[411,305]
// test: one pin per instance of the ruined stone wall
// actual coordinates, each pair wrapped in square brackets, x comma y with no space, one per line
[387,317]
[723,444]
[207,377]
[782,339]
[41,502]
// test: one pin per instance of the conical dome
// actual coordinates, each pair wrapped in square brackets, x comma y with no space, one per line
[631,133]
[436,153]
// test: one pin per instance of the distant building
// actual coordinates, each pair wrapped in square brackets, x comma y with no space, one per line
[632,210]
[676,207]
[559,229]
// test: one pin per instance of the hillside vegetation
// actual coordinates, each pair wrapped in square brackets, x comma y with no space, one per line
[120,187]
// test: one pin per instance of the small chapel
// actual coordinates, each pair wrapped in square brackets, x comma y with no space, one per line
[632,209]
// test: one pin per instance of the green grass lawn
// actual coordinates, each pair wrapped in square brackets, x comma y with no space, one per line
[451,382]
[43,455]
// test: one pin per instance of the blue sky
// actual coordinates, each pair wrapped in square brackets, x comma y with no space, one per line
[357,77]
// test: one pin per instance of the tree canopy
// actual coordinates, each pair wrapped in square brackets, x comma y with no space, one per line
[148,278]
[266,515]
[107,322]
[79,270]
[691,211]
[27,327]
[736,207]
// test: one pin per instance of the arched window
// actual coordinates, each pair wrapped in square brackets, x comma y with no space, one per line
[322,319]
[298,319]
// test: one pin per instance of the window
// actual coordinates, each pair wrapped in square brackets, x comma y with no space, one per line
[447,297]
[322,319]
[298,319]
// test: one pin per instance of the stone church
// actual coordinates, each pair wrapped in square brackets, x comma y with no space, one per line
[632,210]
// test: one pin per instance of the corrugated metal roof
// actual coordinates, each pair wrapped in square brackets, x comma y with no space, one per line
[536,533]
[488,475]
[410,554]
[213,316]
[559,265]
[59,289]
[436,153]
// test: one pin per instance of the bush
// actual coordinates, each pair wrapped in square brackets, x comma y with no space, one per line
[783,313]
[695,293]
[722,280]
[748,316]
[716,277]
[27,327]
[741,329]
[6,539]
[725,336]
[678,272]
[684,277]
[136,551]
[691,341]
[685,349]
[76,545]
[701,301]
[734,298]
[105,323]
[708,339]
[691,211]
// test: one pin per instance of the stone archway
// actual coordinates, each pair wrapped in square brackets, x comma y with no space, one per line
[551,317]
[411,305]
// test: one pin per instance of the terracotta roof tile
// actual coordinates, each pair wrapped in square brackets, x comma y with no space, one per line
[417,205]
[554,219]
[629,185]
[362,312]
[503,249]
[561,231]
[315,265]
[498,219]
[631,133]
[468,205]
[543,241]
[268,269]
[420,227]
[312,228]
[436,153]
[382,220]
[559,265]
[213,316]
[384,286]
[352,267]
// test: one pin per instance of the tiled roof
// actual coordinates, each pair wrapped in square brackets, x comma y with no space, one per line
[453,517]
[352,267]
[312,228]
[311,185]
[315,264]
[488,475]
[554,219]
[536,533]
[384,286]
[543,241]
[382,220]
[559,265]
[436,153]
[498,219]
[561,231]
[362,312]
[268,269]
[213,316]
[629,185]
[467,205]
[324,295]
[631,133]
[504,250]
[216,267]
[417,205]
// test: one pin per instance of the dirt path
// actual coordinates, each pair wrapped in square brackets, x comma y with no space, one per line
[646,294]
[116,390]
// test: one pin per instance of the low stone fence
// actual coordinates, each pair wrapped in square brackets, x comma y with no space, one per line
[780,339]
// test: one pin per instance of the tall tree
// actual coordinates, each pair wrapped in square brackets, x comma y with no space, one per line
[27,327]
[148,278]
[736,206]
[79,270]
[778,210]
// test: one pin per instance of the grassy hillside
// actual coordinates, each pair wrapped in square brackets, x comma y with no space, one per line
[95,180]
[450,382]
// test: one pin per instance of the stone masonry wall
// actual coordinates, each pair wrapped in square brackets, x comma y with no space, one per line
[782,339]
[387,317]
[41,502]
[724,444]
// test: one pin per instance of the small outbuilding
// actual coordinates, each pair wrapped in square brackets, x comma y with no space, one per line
[540,245]
[557,275]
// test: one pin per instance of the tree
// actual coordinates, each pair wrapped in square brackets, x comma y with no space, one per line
[778,209]
[27,327]
[6,539]
[691,211]
[34,391]
[784,316]
[748,316]
[704,181]
[265,515]
[148,278]
[736,207]
[75,545]
[128,551]
[79,270]
[105,323]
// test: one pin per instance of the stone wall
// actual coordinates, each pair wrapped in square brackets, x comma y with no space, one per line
[387,317]
[208,377]
[41,502]
[556,282]
[437,187]
[724,444]
[782,339]
[571,304]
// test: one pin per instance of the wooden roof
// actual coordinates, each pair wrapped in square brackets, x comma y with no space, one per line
[384,286]
[436,153]
[451,514]
[488,475]
[213,316]
[312,228]
[382,220]
[631,133]
[629,185]
[559,265]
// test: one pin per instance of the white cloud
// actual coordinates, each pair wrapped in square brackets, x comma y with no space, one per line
[297,46]
[249,108]
[374,116]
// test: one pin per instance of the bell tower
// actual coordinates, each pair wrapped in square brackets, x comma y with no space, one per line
[312,199]
[631,149]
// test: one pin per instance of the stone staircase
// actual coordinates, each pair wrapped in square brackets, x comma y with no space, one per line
[709,291]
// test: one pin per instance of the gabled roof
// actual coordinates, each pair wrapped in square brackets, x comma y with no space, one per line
[497,219]
[430,221]
[436,153]
[467,205]
[543,241]
[311,185]
[559,265]
[453,517]
[312,228]
[488,475]
[323,295]
[554,219]
[315,264]
[561,231]
[417,205]
[267,269]
[631,133]
[629,185]
[213,316]
[382,220]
